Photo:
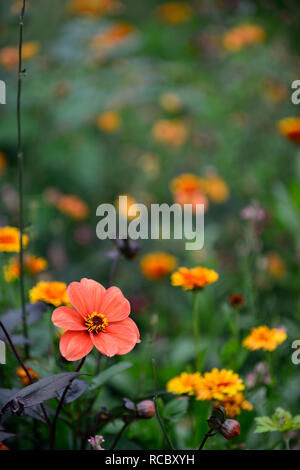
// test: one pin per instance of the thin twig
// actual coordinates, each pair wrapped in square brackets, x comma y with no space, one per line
[160,421]
[24,368]
[210,433]
[20,174]
[119,436]
[59,407]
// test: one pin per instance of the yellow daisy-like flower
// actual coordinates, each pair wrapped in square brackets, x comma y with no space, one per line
[170,102]
[184,383]
[240,36]
[109,122]
[158,265]
[234,405]
[10,239]
[218,385]
[194,278]
[265,338]
[54,293]
[174,12]
[290,128]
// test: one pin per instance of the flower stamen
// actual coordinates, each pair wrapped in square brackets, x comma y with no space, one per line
[95,323]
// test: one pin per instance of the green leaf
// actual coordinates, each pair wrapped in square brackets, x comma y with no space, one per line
[105,376]
[281,421]
[176,409]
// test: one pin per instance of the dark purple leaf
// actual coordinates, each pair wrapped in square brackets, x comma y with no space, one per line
[77,388]
[5,435]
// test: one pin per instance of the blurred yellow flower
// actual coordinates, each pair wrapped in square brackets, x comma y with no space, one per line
[32,265]
[240,36]
[265,338]
[20,372]
[170,102]
[234,404]
[9,55]
[109,122]
[94,7]
[216,188]
[170,132]
[150,164]
[218,385]
[275,265]
[72,205]
[290,128]
[54,293]
[3,162]
[194,278]
[158,265]
[174,12]
[10,239]
[124,205]
[184,383]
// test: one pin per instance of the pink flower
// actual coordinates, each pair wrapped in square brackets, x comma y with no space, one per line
[99,318]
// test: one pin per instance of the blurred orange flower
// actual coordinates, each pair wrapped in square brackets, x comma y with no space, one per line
[290,128]
[32,264]
[102,43]
[170,132]
[216,188]
[123,206]
[94,7]
[52,292]
[174,12]
[3,446]
[3,162]
[184,383]
[158,265]
[242,35]
[109,121]
[72,206]
[10,239]
[194,278]
[275,265]
[9,55]
[189,189]
[23,376]
[265,338]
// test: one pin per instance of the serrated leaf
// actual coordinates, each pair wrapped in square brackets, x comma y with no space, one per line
[105,376]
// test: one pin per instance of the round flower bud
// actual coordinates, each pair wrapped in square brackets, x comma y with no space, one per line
[145,409]
[230,429]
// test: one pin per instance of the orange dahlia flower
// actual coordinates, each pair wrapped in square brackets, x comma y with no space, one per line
[99,318]
[265,338]
[234,404]
[72,206]
[158,265]
[290,128]
[23,376]
[10,239]
[109,121]
[94,7]
[9,56]
[113,36]
[240,36]
[194,278]
[32,264]
[52,292]
[170,132]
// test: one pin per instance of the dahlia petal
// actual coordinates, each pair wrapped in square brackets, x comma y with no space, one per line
[105,343]
[126,334]
[86,296]
[75,345]
[68,319]
[114,306]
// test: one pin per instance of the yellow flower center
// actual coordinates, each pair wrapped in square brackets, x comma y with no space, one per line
[95,322]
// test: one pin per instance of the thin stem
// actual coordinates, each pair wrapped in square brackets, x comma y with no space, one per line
[210,433]
[160,421]
[23,367]
[20,175]
[59,407]
[196,328]
[119,436]
[113,269]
